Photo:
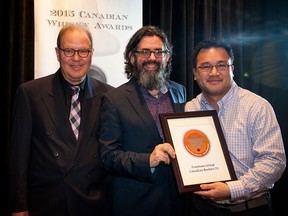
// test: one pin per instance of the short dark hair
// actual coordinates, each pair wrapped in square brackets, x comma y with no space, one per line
[133,45]
[206,44]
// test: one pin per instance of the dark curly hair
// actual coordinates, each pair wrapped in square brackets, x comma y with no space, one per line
[133,45]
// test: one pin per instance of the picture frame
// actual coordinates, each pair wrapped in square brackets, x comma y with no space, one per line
[202,154]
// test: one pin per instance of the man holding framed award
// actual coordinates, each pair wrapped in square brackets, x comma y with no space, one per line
[251,131]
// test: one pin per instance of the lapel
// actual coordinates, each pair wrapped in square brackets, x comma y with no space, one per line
[54,102]
[178,96]
[136,100]
[90,110]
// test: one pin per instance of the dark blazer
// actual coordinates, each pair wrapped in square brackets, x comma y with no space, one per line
[51,174]
[127,138]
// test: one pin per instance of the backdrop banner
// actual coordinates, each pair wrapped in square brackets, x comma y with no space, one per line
[111,22]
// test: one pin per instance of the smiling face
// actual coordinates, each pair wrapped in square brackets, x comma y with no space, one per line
[150,70]
[215,83]
[75,68]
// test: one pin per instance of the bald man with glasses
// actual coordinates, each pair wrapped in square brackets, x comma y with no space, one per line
[54,167]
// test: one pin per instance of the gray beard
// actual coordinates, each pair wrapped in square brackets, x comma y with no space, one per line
[151,82]
[148,80]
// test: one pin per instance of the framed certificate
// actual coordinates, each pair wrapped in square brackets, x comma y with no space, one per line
[201,152]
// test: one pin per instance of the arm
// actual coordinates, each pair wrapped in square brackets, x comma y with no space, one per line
[20,152]
[123,150]
[259,158]
[269,159]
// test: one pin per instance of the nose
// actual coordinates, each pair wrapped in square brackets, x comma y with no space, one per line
[214,70]
[76,56]
[152,56]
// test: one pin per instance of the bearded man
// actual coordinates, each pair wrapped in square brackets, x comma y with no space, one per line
[132,147]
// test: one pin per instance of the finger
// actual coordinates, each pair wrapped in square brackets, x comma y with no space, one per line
[164,157]
[169,150]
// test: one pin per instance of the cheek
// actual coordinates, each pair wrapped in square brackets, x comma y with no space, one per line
[89,61]
[58,56]
[194,75]
[199,77]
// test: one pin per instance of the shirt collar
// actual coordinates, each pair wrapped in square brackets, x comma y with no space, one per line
[224,101]
[163,90]
[68,85]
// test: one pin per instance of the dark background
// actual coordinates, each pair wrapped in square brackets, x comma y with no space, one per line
[257,30]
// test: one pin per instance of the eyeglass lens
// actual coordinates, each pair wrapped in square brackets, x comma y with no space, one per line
[71,52]
[147,53]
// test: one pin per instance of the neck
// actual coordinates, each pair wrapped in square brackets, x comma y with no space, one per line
[154,92]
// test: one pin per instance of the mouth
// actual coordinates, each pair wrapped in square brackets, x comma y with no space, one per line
[76,67]
[213,81]
[151,66]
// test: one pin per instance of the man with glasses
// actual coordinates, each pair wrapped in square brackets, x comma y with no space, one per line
[251,131]
[54,157]
[132,146]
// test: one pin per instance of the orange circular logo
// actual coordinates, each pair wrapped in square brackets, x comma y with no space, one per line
[196,143]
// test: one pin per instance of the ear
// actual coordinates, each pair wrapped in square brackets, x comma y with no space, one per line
[194,73]
[57,53]
[167,57]
[132,58]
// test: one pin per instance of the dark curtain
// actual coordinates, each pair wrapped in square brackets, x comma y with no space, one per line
[17,57]
[257,30]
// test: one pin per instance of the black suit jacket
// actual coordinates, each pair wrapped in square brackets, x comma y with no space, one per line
[127,138]
[50,172]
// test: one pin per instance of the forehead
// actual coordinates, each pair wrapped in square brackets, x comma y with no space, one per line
[150,42]
[75,37]
[213,54]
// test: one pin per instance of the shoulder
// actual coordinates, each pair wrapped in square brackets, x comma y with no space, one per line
[251,103]
[99,85]
[248,97]
[177,91]
[38,82]
[175,84]
[37,85]
[129,86]
[194,104]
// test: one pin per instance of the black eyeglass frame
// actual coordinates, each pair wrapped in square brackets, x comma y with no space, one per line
[83,53]
[209,68]
[146,53]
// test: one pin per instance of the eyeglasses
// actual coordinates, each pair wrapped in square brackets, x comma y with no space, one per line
[71,52]
[208,68]
[147,53]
